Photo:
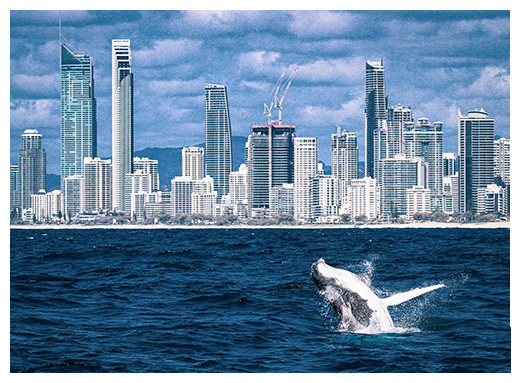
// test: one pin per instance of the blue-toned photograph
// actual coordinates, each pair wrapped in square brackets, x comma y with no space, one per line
[260,191]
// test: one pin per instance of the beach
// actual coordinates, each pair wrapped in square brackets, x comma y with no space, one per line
[415,225]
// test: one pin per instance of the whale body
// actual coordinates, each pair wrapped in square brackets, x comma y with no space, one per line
[358,308]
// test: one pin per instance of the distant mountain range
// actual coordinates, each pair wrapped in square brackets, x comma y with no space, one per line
[170,162]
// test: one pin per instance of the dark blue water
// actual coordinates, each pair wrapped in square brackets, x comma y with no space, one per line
[242,300]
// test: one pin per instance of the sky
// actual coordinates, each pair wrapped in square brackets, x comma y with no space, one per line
[435,62]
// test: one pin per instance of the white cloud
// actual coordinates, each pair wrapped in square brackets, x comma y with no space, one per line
[492,82]
[319,115]
[321,23]
[167,52]
[35,113]
[334,70]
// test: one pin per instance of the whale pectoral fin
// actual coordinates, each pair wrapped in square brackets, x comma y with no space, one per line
[399,298]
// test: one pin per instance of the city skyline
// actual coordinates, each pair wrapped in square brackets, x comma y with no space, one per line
[324,92]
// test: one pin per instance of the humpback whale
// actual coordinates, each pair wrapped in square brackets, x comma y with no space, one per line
[358,308]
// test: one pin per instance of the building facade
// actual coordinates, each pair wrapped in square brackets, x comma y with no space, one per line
[425,139]
[344,154]
[218,146]
[122,120]
[502,159]
[398,115]
[32,166]
[305,172]
[98,184]
[73,196]
[398,175]
[476,156]
[270,163]
[375,113]
[362,198]
[193,162]
[78,129]
[150,167]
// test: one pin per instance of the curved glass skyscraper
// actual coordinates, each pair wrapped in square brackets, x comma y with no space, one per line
[219,160]
[78,112]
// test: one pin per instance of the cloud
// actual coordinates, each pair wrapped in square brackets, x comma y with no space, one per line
[351,70]
[259,62]
[35,113]
[167,52]
[224,21]
[321,24]
[320,115]
[31,86]
[492,82]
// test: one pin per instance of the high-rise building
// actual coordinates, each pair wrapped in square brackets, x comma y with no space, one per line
[449,164]
[363,198]
[14,189]
[78,112]
[32,166]
[502,159]
[397,175]
[397,116]
[305,171]
[417,201]
[98,184]
[136,182]
[238,186]
[73,195]
[270,163]
[491,199]
[122,120]
[476,134]
[328,195]
[281,200]
[344,156]
[47,206]
[193,162]
[150,167]
[218,150]
[181,190]
[425,139]
[375,114]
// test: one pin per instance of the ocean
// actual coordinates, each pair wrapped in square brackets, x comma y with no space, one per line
[242,300]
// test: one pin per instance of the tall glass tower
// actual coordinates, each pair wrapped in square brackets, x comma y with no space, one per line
[122,120]
[32,163]
[219,160]
[375,114]
[78,112]
[476,135]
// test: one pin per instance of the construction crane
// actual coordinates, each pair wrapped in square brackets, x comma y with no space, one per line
[278,102]
[267,109]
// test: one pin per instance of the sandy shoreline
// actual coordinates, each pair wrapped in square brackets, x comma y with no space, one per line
[418,225]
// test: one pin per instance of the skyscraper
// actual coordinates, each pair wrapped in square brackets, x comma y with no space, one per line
[305,172]
[448,164]
[425,139]
[150,167]
[344,158]
[78,112]
[476,134]
[397,175]
[397,116]
[502,159]
[32,165]
[193,162]
[122,120]
[98,184]
[73,195]
[14,188]
[375,113]
[219,160]
[270,162]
